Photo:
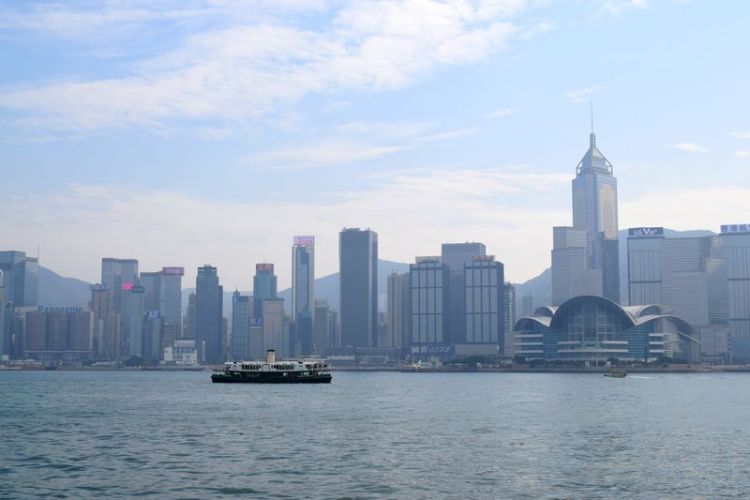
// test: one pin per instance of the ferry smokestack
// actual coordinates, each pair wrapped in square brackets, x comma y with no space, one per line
[270,356]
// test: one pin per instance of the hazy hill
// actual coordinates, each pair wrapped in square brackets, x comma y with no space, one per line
[58,290]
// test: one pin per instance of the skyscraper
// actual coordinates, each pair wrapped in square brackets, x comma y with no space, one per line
[133,316]
[399,314]
[429,282]
[240,346]
[6,316]
[106,323]
[117,273]
[456,256]
[735,245]
[303,275]
[208,316]
[595,216]
[273,327]
[264,287]
[510,317]
[358,272]
[485,311]
[21,278]
[163,293]
[321,328]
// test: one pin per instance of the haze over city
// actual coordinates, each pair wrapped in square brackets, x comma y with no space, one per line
[187,133]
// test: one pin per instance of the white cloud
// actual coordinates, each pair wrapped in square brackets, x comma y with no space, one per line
[503,112]
[355,142]
[617,7]
[741,134]
[691,147]
[320,154]
[413,213]
[742,154]
[248,70]
[685,209]
[583,94]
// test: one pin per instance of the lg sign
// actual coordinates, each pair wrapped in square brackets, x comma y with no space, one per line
[642,232]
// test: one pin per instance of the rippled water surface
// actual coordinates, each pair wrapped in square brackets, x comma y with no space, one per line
[174,434]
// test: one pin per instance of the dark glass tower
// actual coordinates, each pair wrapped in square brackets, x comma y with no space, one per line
[358,265]
[208,316]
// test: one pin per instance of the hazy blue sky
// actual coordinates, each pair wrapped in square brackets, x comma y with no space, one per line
[199,131]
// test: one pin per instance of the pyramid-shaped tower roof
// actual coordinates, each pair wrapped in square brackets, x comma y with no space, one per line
[594,161]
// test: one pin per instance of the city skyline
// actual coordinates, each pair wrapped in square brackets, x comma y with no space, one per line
[465,125]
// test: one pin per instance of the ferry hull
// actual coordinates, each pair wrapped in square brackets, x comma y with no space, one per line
[271,378]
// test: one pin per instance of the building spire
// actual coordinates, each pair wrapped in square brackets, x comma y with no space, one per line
[592,137]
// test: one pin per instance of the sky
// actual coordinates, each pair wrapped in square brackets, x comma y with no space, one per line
[199,132]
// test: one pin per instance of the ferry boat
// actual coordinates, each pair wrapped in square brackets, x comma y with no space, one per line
[271,371]
[616,374]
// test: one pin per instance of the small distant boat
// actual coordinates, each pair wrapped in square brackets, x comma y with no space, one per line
[273,372]
[616,374]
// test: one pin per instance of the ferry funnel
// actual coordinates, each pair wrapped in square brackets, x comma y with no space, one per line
[270,356]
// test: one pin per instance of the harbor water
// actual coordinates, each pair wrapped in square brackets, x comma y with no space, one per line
[370,435]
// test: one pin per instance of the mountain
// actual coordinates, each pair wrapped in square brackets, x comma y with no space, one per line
[56,290]
[326,288]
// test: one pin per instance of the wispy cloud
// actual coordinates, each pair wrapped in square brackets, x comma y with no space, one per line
[742,154]
[320,154]
[503,112]
[691,147]
[740,134]
[248,68]
[617,7]
[180,229]
[356,142]
[584,94]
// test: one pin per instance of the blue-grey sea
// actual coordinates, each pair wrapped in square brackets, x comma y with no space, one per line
[372,435]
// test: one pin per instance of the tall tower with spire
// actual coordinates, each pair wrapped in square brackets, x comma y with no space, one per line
[587,253]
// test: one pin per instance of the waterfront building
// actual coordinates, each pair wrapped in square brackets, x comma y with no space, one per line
[484,280]
[456,256]
[430,296]
[734,242]
[21,278]
[358,274]
[240,345]
[209,321]
[181,353]
[398,311]
[273,327]
[687,274]
[119,275]
[591,329]
[57,334]
[264,287]
[133,316]
[585,257]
